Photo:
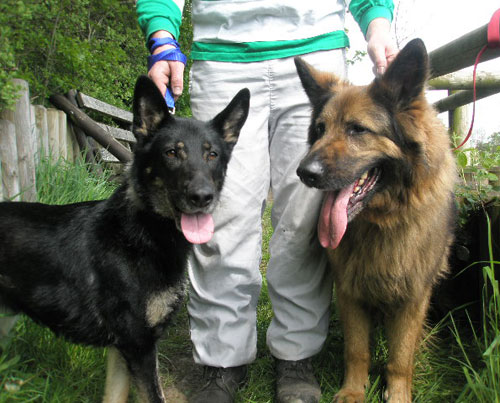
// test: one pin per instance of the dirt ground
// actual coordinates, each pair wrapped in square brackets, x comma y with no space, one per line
[181,376]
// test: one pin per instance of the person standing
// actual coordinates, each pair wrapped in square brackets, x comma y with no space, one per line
[252,43]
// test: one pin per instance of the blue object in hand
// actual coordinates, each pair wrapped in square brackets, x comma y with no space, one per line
[169,54]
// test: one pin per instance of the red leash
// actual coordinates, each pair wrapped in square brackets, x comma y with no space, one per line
[493,42]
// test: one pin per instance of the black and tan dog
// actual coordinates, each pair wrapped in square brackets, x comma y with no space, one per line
[384,161]
[111,272]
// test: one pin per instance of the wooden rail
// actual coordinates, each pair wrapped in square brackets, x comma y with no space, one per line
[459,54]
[101,134]
[452,57]
[103,108]
[462,98]
[464,81]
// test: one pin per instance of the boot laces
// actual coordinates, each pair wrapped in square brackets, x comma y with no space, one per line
[215,377]
[301,369]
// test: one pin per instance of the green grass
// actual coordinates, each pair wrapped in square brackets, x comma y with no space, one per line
[455,363]
[63,183]
[483,381]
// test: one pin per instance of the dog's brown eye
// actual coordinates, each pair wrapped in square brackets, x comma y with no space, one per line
[212,155]
[171,153]
[320,129]
[355,129]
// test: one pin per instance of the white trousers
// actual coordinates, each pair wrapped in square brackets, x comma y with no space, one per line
[224,273]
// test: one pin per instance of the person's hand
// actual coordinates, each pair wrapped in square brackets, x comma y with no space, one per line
[381,47]
[167,72]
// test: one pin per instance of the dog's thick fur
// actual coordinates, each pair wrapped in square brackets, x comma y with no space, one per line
[385,145]
[111,272]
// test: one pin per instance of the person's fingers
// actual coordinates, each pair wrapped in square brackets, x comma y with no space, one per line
[380,61]
[392,52]
[160,73]
[377,55]
[381,47]
[176,78]
[382,52]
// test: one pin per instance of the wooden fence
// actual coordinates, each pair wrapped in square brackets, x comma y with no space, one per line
[454,56]
[29,132]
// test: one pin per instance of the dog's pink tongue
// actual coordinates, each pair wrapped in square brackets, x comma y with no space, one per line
[197,228]
[333,218]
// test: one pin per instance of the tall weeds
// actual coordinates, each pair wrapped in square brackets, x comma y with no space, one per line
[483,382]
[61,182]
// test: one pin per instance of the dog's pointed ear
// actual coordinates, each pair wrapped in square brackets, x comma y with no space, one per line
[405,77]
[150,109]
[230,121]
[318,85]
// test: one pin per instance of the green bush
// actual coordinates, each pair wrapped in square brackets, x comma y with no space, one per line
[96,47]
[478,169]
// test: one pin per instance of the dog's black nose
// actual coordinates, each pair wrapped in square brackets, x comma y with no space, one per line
[201,197]
[311,172]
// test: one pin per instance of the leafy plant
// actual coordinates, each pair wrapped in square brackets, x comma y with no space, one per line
[358,56]
[8,90]
[93,46]
[476,165]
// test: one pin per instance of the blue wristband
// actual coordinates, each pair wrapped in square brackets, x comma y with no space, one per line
[155,43]
[169,54]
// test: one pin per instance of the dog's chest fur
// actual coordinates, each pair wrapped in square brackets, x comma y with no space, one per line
[384,267]
[161,304]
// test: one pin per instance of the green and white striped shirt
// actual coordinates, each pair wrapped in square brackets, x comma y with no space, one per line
[255,30]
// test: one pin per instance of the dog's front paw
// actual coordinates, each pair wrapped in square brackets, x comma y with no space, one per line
[345,395]
[397,395]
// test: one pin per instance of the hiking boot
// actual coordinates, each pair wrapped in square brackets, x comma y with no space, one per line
[221,384]
[295,382]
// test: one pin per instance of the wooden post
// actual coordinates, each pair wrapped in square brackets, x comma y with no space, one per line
[8,157]
[76,148]
[63,138]
[53,125]
[35,136]
[21,117]
[43,130]
[69,142]
[72,145]
[460,121]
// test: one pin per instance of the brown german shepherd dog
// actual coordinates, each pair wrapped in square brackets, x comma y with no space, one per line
[383,159]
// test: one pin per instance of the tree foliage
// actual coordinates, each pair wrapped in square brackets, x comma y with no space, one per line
[95,46]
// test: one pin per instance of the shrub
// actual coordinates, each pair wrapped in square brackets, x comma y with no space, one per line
[56,45]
